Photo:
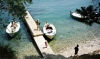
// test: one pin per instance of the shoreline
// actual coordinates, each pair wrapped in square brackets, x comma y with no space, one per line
[86,48]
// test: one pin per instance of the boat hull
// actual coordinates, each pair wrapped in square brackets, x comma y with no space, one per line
[77,16]
[47,32]
[50,36]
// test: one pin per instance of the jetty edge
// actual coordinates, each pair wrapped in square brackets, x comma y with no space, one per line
[37,36]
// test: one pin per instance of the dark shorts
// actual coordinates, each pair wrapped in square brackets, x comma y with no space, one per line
[76,52]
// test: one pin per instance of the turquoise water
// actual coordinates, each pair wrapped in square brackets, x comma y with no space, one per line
[69,31]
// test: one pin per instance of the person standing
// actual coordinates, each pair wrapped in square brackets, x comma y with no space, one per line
[46,24]
[38,24]
[46,45]
[76,50]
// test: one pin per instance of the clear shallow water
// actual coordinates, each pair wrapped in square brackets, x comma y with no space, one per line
[69,31]
[21,43]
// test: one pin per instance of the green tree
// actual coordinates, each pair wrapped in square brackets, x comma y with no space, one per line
[16,8]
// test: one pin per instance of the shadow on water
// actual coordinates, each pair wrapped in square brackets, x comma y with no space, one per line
[27,32]
[16,36]
[48,39]
[82,20]
[32,39]
[88,22]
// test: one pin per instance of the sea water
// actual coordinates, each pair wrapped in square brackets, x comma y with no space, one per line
[69,31]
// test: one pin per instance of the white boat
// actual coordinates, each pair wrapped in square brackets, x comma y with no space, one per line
[12,30]
[78,16]
[49,32]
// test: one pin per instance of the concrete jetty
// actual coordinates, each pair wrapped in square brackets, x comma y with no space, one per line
[40,41]
[32,25]
[38,36]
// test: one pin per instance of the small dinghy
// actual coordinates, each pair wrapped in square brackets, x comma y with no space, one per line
[13,28]
[78,16]
[49,30]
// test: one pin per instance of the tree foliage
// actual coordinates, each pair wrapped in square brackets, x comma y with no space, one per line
[16,8]
[6,52]
[85,10]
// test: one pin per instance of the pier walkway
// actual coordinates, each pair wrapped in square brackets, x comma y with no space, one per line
[32,25]
[38,36]
[40,41]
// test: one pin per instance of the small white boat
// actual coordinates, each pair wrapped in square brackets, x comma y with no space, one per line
[12,30]
[77,16]
[50,31]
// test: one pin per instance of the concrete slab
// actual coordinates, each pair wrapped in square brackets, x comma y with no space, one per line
[32,25]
